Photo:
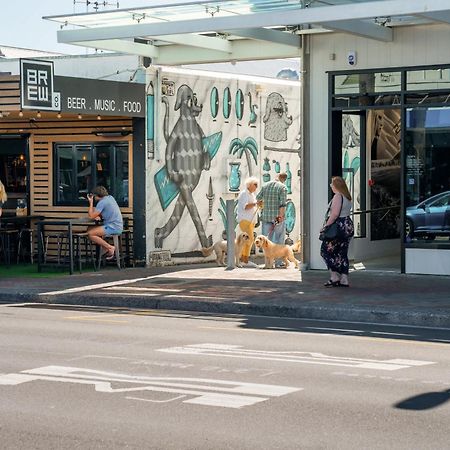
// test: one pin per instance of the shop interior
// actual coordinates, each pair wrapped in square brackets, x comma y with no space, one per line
[14,172]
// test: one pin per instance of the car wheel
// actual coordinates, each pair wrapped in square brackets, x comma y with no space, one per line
[409,229]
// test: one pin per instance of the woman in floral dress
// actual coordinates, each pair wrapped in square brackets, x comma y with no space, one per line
[335,251]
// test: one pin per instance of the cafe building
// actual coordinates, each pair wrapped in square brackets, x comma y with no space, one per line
[61,136]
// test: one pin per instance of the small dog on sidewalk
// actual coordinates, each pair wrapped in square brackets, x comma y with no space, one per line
[276,251]
[220,248]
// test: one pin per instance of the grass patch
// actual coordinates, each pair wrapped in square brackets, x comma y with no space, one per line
[31,271]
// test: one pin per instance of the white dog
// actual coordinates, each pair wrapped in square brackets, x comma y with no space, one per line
[220,248]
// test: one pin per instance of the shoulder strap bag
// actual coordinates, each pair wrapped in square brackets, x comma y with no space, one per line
[330,232]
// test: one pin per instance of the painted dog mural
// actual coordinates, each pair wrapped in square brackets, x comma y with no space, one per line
[185,161]
[195,148]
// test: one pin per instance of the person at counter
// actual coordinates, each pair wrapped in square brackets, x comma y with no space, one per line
[3,196]
[108,210]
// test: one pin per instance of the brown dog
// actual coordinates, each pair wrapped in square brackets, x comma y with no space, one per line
[275,251]
[220,248]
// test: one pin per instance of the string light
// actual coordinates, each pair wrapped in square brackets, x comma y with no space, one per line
[20,113]
[38,115]
[80,116]
[58,115]
[98,117]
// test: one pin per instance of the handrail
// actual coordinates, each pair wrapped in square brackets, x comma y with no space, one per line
[368,211]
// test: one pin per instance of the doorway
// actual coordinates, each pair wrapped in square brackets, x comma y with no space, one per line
[14,171]
[368,152]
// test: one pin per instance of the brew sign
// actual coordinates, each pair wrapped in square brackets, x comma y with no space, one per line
[37,85]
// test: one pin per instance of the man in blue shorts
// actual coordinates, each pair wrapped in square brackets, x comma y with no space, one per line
[107,209]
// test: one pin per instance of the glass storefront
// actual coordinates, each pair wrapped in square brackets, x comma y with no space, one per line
[390,141]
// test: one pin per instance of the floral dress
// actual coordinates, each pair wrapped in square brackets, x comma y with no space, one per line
[335,251]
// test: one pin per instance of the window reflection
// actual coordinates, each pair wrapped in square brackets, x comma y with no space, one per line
[427,146]
[81,167]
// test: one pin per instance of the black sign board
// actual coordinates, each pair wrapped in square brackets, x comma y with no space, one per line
[37,89]
[100,97]
[41,90]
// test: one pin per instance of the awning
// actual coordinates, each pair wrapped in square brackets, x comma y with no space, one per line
[183,32]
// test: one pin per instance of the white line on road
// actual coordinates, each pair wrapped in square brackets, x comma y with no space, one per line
[235,351]
[198,296]
[143,289]
[91,287]
[203,391]
[156,401]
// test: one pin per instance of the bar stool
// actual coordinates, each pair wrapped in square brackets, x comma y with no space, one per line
[80,240]
[20,243]
[117,242]
[60,241]
[6,244]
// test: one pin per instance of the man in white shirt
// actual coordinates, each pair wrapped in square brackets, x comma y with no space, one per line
[246,216]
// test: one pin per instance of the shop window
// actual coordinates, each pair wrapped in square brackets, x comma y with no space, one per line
[427,180]
[428,79]
[367,83]
[81,167]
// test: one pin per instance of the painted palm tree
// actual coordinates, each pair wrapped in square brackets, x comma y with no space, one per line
[249,147]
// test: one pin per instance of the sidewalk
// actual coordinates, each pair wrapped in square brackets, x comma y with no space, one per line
[374,296]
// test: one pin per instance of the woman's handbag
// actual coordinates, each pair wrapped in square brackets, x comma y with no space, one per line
[331,231]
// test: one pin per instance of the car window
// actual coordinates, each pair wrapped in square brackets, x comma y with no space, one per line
[443,201]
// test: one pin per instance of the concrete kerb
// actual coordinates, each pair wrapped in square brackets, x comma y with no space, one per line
[394,316]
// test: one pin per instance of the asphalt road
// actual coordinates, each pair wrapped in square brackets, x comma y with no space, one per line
[87,378]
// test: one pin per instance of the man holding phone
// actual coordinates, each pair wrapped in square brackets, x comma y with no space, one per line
[108,210]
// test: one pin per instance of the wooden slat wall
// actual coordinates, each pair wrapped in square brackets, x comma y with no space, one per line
[9,93]
[44,133]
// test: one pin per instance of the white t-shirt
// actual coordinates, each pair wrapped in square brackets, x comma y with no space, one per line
[246,197]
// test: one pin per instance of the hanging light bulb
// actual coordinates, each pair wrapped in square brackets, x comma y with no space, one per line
[80,116]
[38,115]
[20,113]
[99,117]
[58,115]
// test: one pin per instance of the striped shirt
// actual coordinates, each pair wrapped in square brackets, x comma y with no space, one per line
[274,195]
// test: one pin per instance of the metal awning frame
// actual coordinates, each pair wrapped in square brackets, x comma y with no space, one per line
[239,36]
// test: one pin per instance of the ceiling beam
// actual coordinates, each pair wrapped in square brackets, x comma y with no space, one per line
[243,50]
[360,28]
[122,46]
[323,14]
[195,40]
[266,34]
[442,16]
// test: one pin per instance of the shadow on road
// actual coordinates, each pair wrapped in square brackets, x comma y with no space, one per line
[425,401]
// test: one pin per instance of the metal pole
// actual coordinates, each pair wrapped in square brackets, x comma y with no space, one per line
[304,159]
[230,234]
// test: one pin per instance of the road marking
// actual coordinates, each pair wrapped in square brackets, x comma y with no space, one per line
[143,289]
[278,330]
[198,296]
[136,294]
[91,287]
[236,351]
[203,391]
[156,401]
[98,318]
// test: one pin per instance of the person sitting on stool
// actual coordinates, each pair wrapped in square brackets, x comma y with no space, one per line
[107,209]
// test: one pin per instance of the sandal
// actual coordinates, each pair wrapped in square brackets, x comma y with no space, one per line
[331,283]
[110,255]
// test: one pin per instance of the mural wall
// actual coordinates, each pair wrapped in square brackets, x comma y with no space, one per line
[215,131]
